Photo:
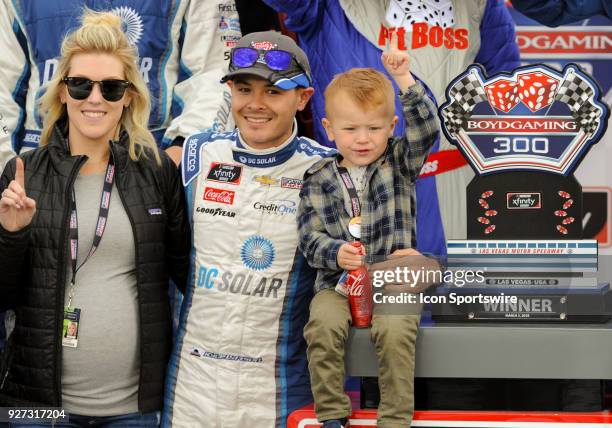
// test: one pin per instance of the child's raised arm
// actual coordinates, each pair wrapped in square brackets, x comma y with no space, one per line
[397,64]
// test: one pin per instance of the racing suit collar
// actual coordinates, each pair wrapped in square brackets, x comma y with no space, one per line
[266,157]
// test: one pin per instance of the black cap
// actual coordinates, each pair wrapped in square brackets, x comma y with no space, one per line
[298,73]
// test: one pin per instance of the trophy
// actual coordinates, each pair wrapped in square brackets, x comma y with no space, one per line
[524,133]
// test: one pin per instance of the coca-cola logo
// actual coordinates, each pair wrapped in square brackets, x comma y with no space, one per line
[219,195]
[356,289]
[354,282]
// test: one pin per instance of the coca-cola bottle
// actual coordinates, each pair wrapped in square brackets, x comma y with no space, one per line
[360,293]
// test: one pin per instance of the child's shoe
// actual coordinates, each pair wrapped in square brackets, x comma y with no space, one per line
[336,423]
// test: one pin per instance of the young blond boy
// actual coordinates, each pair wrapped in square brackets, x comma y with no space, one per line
[383,170]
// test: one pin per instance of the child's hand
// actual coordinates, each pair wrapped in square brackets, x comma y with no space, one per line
[350,257]
[397,64]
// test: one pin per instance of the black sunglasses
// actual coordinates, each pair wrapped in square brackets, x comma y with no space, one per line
[80,88]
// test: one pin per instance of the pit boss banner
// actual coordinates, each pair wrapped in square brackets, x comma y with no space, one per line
[534,119]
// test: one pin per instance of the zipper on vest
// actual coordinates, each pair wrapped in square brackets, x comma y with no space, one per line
[59,318]
[8,369]
[138,297]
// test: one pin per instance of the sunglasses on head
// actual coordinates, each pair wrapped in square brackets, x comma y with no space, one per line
[80,88]
[275,59]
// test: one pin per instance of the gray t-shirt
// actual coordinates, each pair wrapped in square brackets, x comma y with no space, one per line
[100,376]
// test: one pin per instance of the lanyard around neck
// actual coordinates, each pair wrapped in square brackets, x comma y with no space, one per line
[352,191]
[107,189]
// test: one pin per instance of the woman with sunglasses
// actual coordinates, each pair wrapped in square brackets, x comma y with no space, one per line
[92,224]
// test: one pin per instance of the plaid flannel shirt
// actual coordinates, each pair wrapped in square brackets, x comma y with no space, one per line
[387,213]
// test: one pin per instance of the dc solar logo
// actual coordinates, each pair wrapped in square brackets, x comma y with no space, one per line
[131,23]
[257,253]
[532,119]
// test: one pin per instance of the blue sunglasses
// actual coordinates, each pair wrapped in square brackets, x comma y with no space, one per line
[275,59]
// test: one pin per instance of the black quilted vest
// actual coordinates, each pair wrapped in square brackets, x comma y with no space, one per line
[33,269]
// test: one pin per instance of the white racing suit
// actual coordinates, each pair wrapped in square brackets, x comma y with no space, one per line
[183,50]
[240,356]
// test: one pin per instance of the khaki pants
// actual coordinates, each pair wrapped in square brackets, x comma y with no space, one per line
[394,337]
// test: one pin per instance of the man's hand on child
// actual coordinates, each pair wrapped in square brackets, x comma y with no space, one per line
[349,257]
[397,64]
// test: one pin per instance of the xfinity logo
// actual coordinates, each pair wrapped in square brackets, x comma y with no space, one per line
[224,173]
[523,201]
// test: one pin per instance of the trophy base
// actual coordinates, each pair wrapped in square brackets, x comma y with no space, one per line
[573,305]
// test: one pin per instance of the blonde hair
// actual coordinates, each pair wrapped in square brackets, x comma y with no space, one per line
[100,32]
[367,87]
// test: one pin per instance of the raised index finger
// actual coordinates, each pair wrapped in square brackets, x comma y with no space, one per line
[19,173]
[394,42]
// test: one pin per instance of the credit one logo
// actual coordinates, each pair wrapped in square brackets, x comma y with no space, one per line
[277,207]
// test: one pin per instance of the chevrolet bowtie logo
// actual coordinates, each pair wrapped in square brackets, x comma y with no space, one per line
[266,180]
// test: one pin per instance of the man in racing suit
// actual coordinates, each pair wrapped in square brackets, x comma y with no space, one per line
[182,46]
[240,355]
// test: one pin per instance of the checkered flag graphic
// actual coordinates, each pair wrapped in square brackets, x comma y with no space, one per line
[588,117]
[465,94]
[574,91]
[577,93]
